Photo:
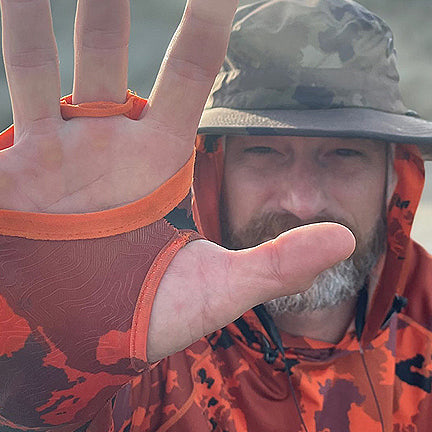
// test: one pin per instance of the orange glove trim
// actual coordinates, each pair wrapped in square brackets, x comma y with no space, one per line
[144,305]
[132,108]
[46,226]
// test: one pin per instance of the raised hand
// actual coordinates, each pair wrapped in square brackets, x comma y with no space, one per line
[85,164]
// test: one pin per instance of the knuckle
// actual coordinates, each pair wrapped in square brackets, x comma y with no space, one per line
[276,267]
[212,13]
[38,57]
[103,39]
[191,70]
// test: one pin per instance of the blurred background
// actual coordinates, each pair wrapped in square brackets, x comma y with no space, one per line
[154,21]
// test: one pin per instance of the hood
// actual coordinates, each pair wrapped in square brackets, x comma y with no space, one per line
[409,167]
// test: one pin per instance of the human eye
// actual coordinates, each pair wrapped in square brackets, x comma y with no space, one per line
[347,152]
[260,150]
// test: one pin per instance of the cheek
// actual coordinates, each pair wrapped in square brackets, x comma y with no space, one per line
[245,196]
[362,201]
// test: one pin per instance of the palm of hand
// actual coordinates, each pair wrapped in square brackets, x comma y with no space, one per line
[88,165]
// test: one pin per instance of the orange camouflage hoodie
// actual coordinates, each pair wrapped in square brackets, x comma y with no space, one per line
[74,311]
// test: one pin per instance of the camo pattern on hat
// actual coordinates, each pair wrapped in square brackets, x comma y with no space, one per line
[311,67]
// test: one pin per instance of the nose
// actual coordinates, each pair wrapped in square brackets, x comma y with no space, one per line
[303,191]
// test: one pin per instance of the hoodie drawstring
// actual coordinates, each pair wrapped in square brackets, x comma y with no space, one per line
[271,329]
[270,354]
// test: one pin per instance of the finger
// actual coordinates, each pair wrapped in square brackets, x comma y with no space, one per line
[190,66]
[101,51]
[31,61]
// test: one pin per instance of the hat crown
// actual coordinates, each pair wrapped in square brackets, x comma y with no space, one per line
[308,54]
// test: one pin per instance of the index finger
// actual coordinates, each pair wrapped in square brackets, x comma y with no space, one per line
[191,64]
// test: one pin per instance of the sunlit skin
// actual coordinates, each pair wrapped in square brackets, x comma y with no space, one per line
[330,179]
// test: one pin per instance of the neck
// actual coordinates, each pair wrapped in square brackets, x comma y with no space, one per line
[328,325]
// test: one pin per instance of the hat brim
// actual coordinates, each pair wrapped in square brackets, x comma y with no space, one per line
[338,122]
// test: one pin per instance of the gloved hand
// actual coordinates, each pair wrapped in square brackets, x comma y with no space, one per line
[92,164]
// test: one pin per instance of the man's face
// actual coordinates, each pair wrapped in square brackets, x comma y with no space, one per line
[273,184]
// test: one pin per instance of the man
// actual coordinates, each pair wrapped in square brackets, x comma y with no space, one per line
[96,286]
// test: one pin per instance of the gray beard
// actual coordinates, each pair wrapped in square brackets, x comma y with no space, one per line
[330,288]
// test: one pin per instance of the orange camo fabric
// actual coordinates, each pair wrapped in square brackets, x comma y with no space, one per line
[72,323]
[383,382]
[81,374]
[224,384]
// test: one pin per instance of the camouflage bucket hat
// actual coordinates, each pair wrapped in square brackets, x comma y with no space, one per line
[312,68]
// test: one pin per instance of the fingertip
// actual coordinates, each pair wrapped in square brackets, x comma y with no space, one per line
[340,236]
[330,240]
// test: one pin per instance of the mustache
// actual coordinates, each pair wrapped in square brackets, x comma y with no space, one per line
[269,226]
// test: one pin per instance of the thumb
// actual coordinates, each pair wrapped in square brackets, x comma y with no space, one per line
[206,286]
[289,264]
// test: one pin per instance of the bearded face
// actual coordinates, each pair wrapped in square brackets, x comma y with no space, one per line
[330,288]
[272,184]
